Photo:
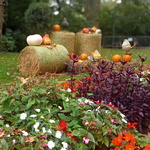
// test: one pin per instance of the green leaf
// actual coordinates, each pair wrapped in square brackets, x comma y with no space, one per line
[41,91]
[91,137]
[6,105]
[30,103]
[63,117]
[4,144]
[105,140]
[72,123]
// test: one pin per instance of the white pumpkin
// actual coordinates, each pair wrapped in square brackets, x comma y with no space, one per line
[34,40]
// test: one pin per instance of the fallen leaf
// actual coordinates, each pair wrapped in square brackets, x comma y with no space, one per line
[8,73]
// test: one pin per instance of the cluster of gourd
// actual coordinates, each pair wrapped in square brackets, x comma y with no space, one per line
[37,39]
[126,46]
[92,57]
[91,30]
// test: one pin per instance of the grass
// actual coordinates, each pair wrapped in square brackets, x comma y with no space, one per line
[9,61]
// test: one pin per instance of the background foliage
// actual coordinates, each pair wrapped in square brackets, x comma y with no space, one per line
[126,18]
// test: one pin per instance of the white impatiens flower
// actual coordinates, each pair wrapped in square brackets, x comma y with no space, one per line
[67,100]
[126,45]
[123,118]
[51,144]
[52,121]
[23,116]
[24,133]
[49,131]
[7,125]
[60,107]
[58,134]
[33,116]
[36,125]
[65,145]
[37,110]
[42,117]
[68,90]
[63,148]
[44,130]
[88,101]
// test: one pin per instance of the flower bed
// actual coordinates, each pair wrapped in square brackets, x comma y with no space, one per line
[106,109]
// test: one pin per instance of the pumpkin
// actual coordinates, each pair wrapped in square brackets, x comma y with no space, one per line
[116,58]
[85,30]
[46,40]
[56,27]
[127,57]
[94,29]
[83,56]
[34,40]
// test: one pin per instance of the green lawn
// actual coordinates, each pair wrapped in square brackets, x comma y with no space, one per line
[9,71]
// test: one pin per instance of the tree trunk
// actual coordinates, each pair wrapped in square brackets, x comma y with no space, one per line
[92,12]
[1,15]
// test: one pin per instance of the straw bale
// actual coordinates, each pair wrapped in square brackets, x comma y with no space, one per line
[35,60]
[67,39]
[87,43]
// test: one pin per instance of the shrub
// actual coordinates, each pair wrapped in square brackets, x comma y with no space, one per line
[7,43]
[127,90]
[38,18]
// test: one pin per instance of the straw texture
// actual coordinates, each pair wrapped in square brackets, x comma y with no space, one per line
[67,39]
[87,43]
[35,60]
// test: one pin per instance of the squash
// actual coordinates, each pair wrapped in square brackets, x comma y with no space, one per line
[46,40]
[83,56]
[116,58]
[34,40]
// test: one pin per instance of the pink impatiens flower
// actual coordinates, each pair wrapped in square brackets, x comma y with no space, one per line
[86,140]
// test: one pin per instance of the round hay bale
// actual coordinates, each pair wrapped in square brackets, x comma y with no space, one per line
[67,39]
[87,43]
[35,60]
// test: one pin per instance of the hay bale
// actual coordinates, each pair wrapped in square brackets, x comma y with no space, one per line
[35,60]
[87,43]
[67,39]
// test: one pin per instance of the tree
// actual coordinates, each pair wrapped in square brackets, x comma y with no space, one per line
[92,12]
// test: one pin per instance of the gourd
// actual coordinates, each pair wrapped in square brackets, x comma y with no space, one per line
[116,58]
[46,40]
[34,40]
[83,56]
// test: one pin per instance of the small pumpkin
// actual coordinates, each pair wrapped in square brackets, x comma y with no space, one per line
[46,40]
[34,40]
[116,58]
[85,30]
[83,56]
[94,29]
[127,57]
[56,27]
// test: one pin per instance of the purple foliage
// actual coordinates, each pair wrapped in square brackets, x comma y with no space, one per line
[123,88]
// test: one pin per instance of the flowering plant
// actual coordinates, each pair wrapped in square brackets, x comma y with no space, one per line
[43,114]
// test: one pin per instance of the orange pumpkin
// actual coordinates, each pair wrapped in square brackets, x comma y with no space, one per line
[56,27]
[83,56]
[127,57]
[92,54]
[116,58]
[94,29]
[46,40]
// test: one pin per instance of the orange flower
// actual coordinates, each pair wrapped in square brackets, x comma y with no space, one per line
[117,141]
[117,148]
[128,136]
[129,147]
[147,147]
[131,125]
